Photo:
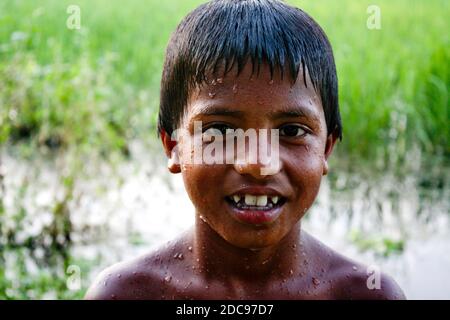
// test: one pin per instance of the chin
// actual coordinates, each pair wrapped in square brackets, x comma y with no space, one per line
[253,242]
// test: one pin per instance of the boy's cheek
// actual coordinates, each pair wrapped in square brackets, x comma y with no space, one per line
[306,162]
[305,175]
[193,151]
[201,181]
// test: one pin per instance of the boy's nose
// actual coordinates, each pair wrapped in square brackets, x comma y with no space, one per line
[262,168]
[253,169]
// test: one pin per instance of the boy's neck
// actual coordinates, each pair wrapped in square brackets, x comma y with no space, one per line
[216,258]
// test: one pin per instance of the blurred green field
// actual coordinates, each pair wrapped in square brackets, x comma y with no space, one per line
[98,88]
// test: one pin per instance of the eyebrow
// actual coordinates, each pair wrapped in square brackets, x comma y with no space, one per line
[286,112]
[293,112]
[218,111]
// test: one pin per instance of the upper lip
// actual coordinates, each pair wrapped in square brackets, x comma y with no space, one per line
[258,191]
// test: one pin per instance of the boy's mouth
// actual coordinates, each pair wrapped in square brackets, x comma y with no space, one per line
[255,202]
[255,209]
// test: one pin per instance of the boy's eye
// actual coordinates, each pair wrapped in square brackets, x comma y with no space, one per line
[292,130]
[216,129]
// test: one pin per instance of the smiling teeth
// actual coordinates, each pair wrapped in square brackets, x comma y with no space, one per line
[252,200]
[261,201]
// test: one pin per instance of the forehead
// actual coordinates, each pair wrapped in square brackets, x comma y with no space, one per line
[255,93]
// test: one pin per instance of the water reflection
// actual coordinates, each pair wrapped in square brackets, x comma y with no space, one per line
[396,218]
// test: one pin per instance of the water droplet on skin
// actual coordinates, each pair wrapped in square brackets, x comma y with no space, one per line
[219,80]
[271,82]
[104,283]
[202,218]
[315,281]
[212,95]
[355,268]
[190,248]
[213,82]
[235,88]
[294,246]
[168,279]
[119,276]
[291,272]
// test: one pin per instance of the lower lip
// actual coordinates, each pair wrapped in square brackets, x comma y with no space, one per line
[255,217]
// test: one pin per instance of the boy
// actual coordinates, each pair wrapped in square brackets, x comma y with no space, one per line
[247,65]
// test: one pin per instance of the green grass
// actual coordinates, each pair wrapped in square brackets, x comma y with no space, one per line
[48,277]
[97,88]
[394,82]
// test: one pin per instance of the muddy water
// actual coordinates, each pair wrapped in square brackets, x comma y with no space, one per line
[400,224]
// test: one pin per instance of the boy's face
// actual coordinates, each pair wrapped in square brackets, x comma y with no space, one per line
[224,194]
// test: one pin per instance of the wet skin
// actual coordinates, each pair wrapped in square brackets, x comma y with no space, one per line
[223,256]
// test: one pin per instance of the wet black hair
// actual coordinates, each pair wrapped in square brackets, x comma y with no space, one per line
[227,33]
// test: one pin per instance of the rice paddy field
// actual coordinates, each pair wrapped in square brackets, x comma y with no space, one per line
[78,112]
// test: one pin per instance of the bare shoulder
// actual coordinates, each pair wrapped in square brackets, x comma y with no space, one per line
[359,282]
[129,280]
[147,277]
[352,280]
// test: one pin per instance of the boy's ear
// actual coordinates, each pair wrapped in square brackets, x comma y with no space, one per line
[331,141]
[171,150]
